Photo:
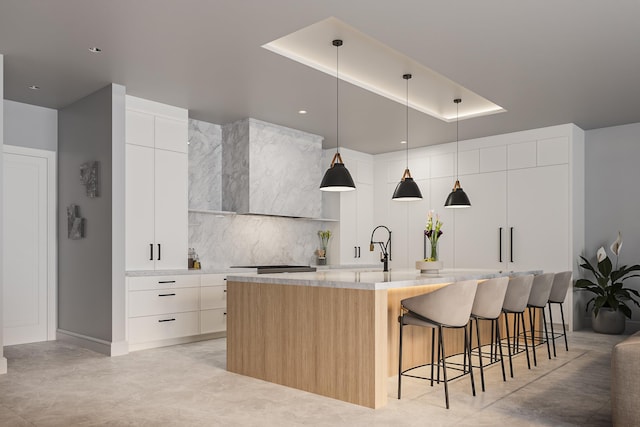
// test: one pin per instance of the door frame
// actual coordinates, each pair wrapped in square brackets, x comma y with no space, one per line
[52,244]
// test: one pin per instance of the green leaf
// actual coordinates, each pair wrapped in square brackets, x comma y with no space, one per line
[584,283]
[626,310]
[603,282]
[587,266]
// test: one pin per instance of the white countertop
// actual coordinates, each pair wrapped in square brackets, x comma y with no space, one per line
[228,270]
[369,279]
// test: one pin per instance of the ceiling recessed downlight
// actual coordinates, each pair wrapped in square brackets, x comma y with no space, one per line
[95,49]
[374,66]
[302,112]
[403,142]
[34,87]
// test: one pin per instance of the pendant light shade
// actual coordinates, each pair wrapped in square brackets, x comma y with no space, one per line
[337,177]
[407,189]
[457,198]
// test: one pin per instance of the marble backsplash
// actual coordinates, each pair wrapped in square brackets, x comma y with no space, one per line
[225,240]
[205,165]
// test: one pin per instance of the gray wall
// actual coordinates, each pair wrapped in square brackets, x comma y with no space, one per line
[30,126]
[85,265]
[613,196]
[3,361]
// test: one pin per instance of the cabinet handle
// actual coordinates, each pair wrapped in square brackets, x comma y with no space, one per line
[166,281]
[224,314]
[166,295]
[159,251]
[511,243]
[355,252]
[359,251]
[225,290]
[500,244]
[150,251]
[166,320]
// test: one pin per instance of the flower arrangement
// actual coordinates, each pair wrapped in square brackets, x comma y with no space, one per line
[433,232]
[324,236]
[608,286]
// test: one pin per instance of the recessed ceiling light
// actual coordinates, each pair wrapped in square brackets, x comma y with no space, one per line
[95,49]
[302,112]
[403,142]
[34,87]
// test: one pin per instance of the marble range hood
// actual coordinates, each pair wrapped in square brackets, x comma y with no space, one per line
[271,170]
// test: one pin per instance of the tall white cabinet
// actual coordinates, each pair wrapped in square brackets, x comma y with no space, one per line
[527,196]
[156,186]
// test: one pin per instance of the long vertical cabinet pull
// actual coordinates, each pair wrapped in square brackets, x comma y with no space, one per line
[355,252]
[511,243]
[500,244]
[159,253]
[150,251]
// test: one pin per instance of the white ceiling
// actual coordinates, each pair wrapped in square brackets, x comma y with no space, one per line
[546,62]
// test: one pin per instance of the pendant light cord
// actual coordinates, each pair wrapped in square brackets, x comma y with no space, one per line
[457,137]
[337,100]
[407,128]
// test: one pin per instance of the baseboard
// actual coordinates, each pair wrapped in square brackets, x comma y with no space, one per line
[3,365]
[175,341]
[101,346]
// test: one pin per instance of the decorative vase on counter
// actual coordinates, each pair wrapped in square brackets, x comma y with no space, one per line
[608,321]
[321,260]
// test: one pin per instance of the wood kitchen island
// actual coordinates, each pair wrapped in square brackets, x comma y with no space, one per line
[331,332]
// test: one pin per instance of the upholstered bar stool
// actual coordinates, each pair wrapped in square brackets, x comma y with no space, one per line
[561,283]
[447,307]
[515,302]
[487,305]
[538,298]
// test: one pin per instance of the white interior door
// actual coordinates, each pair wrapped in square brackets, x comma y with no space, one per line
[29,279]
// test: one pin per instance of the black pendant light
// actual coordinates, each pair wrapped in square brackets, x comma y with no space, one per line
[457,198]
[337,177]
[407,189]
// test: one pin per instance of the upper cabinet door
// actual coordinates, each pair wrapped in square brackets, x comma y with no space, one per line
[171,210]
[139,214]
[538,206]
[480,235]
[171,134]
[139,128]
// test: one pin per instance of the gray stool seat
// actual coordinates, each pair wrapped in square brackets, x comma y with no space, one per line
[561,284]
[515,302]
[538,298]
[487,305]
[447,307]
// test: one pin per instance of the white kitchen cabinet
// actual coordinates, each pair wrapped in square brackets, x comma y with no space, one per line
[480,231]
[538,220]
[356,213]
[213,303]
[167,310]
[156,187]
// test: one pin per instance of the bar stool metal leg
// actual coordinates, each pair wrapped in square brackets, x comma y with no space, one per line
[506,323]
[433,332]
[564,332]
[444,365]
[526,349]
[553,335]
[400,358]
[467,343]
[499,338]
[533,335]
[546,332]
[479,353]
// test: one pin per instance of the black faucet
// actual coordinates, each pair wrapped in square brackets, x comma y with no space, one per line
[386,247]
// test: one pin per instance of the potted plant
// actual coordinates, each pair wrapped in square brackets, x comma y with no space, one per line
[324,236]
[610,296]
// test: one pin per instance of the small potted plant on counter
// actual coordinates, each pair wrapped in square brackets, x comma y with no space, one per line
[432,233]
[610,296]
[324,236]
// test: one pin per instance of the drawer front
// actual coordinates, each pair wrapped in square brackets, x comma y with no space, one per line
[213,320]
[213,280]
[155,328]
[163,282]
[149,303]
[213,297]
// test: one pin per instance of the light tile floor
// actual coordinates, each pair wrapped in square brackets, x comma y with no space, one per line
[58,384]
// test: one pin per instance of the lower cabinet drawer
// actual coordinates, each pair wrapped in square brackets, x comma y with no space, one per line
[213,320]
[213,297]
[149,303]
[156,328]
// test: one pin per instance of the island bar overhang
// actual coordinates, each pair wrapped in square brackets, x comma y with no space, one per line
[333,333]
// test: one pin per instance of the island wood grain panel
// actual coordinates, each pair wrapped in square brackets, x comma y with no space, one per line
[327,341]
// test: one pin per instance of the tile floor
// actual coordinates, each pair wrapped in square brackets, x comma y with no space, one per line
[58,384]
